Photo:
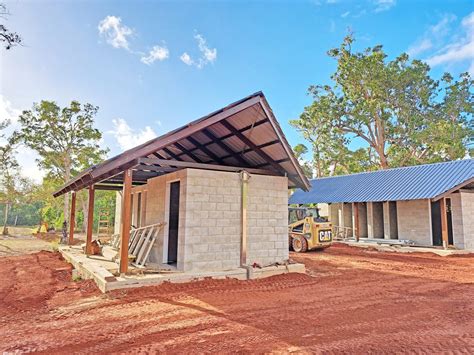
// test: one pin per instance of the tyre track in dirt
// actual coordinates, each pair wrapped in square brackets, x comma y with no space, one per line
[352,300]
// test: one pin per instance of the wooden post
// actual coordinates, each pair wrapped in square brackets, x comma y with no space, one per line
[72,218]
[355,211]
[244,177]
[126,219]
[444,222]
[90,221]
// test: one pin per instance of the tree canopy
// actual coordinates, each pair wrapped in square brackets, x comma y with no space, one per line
[395,107]
[65,139]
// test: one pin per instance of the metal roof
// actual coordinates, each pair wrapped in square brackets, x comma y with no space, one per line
[408,183]
[242,135]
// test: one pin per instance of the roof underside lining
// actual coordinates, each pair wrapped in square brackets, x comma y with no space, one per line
[244,135]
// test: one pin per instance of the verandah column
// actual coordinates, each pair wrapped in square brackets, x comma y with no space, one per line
[90,220]
[126,219]
[355,214]
[72,218]
[444,222]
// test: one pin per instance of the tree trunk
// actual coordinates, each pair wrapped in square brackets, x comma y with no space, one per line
[85,210]
[383,159]
[5,220]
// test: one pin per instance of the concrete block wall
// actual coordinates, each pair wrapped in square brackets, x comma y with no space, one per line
[467,204]
[414,221]
[210,218]
[378,222]
[462,205]
[267,220]
[212,221]
[347,215]
[362,207]
[458,220]
[333,214]
[370,220]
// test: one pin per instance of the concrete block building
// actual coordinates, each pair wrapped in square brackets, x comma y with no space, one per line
[430,205]
[217,188]
[209,222]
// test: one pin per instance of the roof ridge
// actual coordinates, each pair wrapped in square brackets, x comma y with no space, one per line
[392,169]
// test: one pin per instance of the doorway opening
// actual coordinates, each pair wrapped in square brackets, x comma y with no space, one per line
[173,223]
[436,222]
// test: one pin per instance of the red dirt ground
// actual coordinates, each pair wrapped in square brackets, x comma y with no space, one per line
[352,300]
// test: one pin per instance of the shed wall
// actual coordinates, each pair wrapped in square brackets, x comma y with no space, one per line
[414,221]
[467,205]
[467,199]
[210,218]
[213,220]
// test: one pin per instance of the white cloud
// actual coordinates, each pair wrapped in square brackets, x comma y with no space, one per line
[345,14]
[443,26]
[332,25]
[459,49]
[384,5]
[208,55]
[128,137]
[433,36]
[186,59]
[420,47]
[115,33]
[157,53]
[7,111]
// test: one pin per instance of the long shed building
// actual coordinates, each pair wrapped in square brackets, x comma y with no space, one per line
[430,205]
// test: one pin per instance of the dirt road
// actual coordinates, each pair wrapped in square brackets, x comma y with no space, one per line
[352,300]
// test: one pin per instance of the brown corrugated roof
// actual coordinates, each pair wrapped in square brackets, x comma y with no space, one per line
[244,134]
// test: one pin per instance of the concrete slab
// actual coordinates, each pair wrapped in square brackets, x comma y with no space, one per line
[105,272]
[405,248]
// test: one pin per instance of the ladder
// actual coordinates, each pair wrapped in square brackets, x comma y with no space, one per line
[103,224]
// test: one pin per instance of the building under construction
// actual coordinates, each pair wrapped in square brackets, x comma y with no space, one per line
[426,205]
[209,196]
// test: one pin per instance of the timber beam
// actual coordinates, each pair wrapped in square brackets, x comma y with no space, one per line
[185,164]
[204,149]
[188,153]
[225,147]
[254,147]
[243,129]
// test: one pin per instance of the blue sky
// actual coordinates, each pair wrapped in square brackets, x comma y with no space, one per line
[153,66]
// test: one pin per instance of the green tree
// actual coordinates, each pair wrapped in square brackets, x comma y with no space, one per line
[14,188]
[403,115]
[300,150]
[64,138]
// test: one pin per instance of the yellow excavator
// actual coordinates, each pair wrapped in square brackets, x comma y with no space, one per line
[307,230]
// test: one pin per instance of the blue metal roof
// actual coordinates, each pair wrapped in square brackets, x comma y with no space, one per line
[408,183]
